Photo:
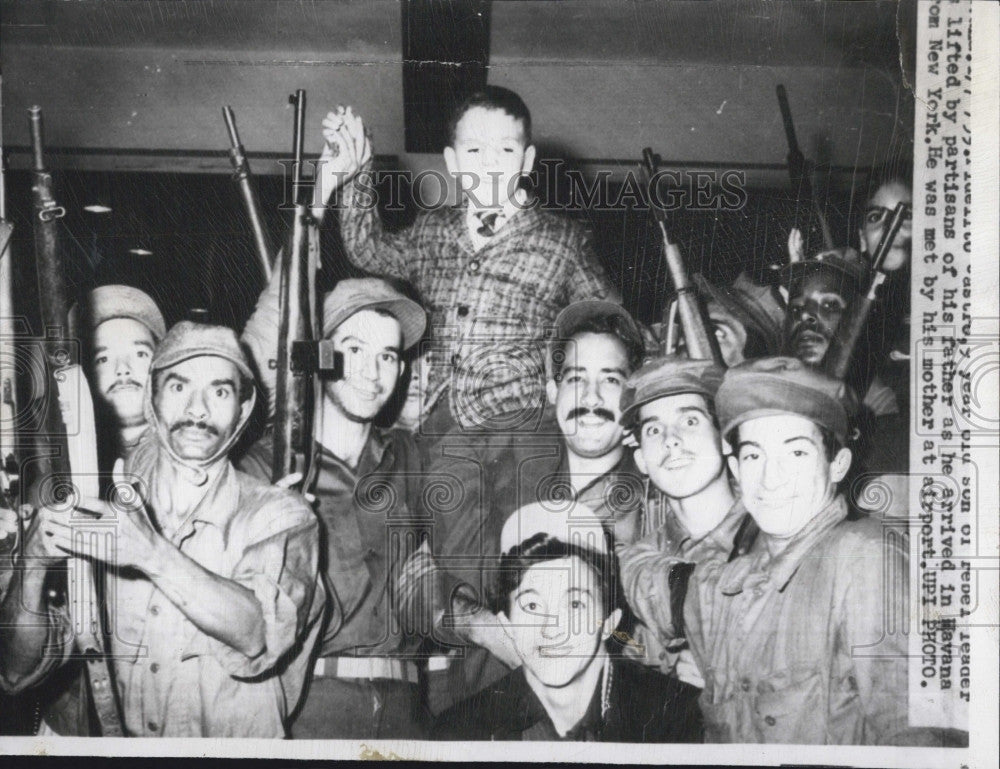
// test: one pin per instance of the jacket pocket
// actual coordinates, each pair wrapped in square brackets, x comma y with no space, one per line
[791,708]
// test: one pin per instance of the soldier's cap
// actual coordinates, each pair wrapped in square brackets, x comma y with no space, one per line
[187,340]
[783,385]
[751,304]
[574,316]
[352,295]
[846,262]
[118,301]
[573,523]
[665,376]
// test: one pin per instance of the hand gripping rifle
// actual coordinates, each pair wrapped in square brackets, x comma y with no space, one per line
[798,168]
[68,467]
[293,437]
[242,177]
[698,334]
[837,361]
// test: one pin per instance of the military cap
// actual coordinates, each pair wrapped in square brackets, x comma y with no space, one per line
[352,295]
[846,262]
[188,340]
[783,385]
[574,316]
[118,301]
[669,375]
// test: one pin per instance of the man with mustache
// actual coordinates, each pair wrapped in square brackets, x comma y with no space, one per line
[694,514]
[125,328]
[574,455]
[213,581]
[820,292]
[790,636]
[366,482]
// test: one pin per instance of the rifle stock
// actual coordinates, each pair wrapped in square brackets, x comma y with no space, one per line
[242,175]
[839,356]
[8,368]
[295,386]
[698,334]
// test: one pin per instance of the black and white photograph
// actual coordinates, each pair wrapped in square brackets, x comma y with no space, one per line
[398,378]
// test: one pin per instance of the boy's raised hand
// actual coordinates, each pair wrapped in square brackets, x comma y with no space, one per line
[346,149]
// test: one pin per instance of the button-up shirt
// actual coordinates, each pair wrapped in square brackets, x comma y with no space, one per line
[370,527]
[175,680]
[657,635]
[490,307]
[794,648]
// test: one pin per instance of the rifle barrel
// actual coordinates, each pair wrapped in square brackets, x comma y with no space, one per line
[786,118]
[35,115]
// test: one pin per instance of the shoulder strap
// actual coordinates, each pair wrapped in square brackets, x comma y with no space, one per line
[84,600]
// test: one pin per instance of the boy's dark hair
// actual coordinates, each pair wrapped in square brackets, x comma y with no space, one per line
[831,445]
[493,97]
[612,325]
[542,548]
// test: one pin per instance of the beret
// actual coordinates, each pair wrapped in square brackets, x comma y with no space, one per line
[783,385]
[668,375]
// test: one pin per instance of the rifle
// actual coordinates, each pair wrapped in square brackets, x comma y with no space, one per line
[295,379]
[798,168]
[242,176]
[837,361]
[698,334]
[69,465]
[8,366]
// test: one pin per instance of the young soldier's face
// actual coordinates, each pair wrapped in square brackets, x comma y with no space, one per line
[123,350]
[588,394]
[816,303]
[558,621]
[679,447]
[489,156]
[784,474]
[878,213]
[198,402]
[370,343]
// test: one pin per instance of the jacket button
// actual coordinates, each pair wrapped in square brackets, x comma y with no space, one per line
[154,610]
[769,720]
[463,310]
[455,359]
[745,685]
[474,266]
[155,667]
[152,726]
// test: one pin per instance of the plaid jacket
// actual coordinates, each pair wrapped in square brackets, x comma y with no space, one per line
[490,309]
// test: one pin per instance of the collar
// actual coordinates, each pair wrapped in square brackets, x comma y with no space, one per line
[378,442]
[780,570]
[721,536]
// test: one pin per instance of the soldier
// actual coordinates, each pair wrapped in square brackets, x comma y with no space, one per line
[694,512]
[214,586]
[776,632]
[124,329]
[366,486]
